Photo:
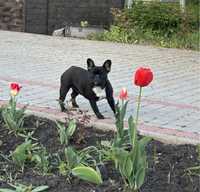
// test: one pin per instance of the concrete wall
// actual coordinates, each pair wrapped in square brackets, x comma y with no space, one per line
[11,15]
[44,16]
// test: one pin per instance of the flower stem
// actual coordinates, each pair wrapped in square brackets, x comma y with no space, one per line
[122,103]
[138,107]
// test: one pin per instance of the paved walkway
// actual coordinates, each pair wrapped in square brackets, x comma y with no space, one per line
[36,61]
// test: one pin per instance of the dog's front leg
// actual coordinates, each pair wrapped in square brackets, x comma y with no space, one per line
[111,102]
[109,96]
[96,110]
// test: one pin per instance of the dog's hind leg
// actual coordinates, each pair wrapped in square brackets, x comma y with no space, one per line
[73,99]
[63,93]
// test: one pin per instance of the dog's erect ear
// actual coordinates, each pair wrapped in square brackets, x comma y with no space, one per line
[107,65]
[90,64]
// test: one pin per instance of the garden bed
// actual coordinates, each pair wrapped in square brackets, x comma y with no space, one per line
[167,164]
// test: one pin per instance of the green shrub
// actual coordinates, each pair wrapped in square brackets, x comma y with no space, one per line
[192,2]
[162,24]
[160,18]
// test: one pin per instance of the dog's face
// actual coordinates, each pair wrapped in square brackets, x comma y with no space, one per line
[98,74]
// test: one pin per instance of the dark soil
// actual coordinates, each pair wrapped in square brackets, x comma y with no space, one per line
[166,172]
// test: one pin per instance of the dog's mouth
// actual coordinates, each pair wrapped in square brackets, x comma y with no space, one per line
[96,84]
[100,92]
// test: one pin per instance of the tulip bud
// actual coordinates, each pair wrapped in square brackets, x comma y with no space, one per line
[14,89]
[143,77]
[123,94]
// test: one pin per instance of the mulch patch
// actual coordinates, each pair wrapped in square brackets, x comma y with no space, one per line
[166,170]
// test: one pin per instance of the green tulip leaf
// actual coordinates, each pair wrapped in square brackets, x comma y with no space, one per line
[87,174]
[123,111]
[71,128]
[7,190]
[140,176]
[143,142]
[128,166]
[20,154]
[72,157]
[40,188]
[62,133]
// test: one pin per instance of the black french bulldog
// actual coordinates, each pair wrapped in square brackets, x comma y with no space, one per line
[93,84]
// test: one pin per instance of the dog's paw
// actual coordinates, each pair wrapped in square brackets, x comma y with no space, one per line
[75,105]
[100,116]
[63,110]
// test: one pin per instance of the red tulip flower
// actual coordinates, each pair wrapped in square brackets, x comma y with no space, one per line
[143,77]
[123,95]
[14,89]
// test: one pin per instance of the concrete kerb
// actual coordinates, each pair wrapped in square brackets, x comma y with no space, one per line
[168,136]
[156,133]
